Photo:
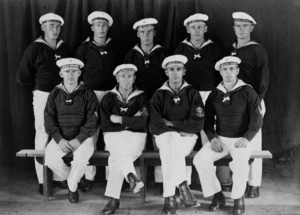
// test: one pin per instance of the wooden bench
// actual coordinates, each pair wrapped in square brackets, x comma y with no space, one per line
[153,159]
[146,159]
[99,158]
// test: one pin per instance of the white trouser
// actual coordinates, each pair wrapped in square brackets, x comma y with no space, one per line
[158,176]
[91,170]
[124,148]
[255,173]
[173,148]
[41,137]
[81,156]
[204,163]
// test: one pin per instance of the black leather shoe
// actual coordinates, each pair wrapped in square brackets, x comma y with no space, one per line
[166,207]
[170,205]
[217,202]
[60,184]
[111,206]
[85,185]
[186,197]
[239,206]
[135,183]
[226,188]
[73,196]
[252,192]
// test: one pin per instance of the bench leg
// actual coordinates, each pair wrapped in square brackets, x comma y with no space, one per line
[47,183]
[143,179]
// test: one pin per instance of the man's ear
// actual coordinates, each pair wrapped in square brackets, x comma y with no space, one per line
[188,29]
[251,28]
[137,34]
[134,78]
[205,28]
[92,28]
[184,71]
[117,79]
[60,74]
[43,27]
[166,72]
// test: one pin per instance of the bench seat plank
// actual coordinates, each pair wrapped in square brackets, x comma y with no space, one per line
[150,155]
[30,153]
[148,158]
[254,154]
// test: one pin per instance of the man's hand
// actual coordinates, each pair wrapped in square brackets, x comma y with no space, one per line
[168,123]
[74,144]
[216,145]
[116,119]
[64,146]
[242,143]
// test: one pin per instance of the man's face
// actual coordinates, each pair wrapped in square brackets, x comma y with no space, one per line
[51,29]
[197,30]
[70,75]
[100,28]
[229,72]
[146,35]
[125,78]
[242,29]
[175,73]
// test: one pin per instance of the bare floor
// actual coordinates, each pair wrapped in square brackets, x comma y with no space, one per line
[280,195]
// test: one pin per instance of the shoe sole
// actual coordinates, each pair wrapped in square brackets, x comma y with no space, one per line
[138,187]
[242,211]
[216,209]
[168,213]
[192,204]
[252,196]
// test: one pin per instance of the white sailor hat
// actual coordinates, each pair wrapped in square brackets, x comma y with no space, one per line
[69,62]
[174,60]
[197,17]
[100,15]
[229,60]
[51,17]
[145,23]
[127,67]
[243,16]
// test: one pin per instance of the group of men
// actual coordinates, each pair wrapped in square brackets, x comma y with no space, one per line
[197,92]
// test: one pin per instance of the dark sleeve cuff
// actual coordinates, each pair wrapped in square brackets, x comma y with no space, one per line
[249,135]
[210,135]
[81,137]
[57,138]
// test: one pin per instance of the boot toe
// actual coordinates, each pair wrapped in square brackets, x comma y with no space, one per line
[111,206]
[215,207]
[217,202]
[253,192]
[73,197]
[85,185]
